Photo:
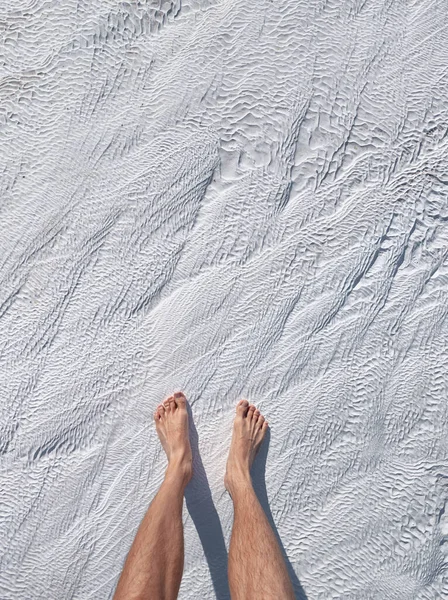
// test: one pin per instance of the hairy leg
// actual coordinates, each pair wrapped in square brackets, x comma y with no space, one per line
[257,570]
[154,565]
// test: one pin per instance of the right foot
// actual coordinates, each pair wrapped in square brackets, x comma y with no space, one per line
[249,429]
[171,419]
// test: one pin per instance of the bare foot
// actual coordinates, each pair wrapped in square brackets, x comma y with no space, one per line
[249,429]
[171,418]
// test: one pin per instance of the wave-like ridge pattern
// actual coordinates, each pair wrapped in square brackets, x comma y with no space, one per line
[236,198]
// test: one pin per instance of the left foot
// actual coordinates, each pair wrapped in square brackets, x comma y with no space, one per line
[171,419]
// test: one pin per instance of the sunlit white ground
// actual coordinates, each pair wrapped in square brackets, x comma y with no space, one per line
[237,199]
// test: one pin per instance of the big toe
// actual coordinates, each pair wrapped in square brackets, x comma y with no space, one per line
[180,400]
[241,408]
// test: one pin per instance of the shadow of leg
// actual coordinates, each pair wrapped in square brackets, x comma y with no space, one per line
[259,482]
[200,505]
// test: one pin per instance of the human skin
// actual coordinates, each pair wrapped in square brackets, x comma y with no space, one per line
[154,565]
[257,570]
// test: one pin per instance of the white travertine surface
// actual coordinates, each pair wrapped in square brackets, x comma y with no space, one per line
[237,199]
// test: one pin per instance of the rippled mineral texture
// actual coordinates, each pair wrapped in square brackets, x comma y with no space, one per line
[236,198]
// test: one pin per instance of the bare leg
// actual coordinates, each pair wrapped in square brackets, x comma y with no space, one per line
[257,570]
[154,566]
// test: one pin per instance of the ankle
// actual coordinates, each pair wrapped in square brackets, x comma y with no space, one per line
[179,468]
[237,479]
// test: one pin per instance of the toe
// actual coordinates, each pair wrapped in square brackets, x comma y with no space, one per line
[172,403]
[167,404]
[250,411]
[241,408]
[180,399]
[160,411]
[260,421]
[257,413]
